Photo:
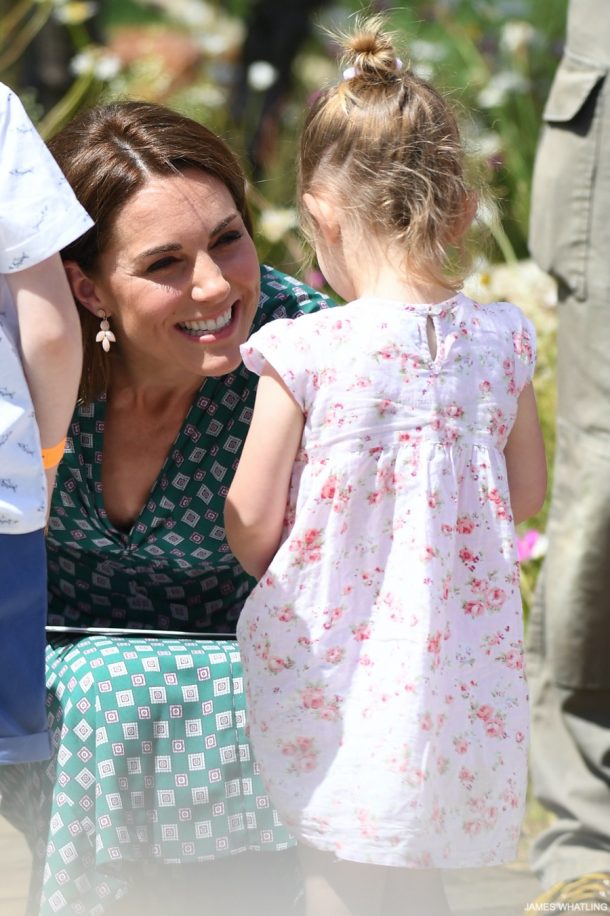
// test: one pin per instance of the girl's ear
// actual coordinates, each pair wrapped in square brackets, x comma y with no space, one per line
[83,289]
[325,215]
[463,221]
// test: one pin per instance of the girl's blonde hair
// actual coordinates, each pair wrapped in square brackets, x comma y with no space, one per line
[387,146]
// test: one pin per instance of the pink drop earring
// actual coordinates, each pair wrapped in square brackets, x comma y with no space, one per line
[104,335]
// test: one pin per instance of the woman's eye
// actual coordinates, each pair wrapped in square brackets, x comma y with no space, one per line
[227,237]
[160,264]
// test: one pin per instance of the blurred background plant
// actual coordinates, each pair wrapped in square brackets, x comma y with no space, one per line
[247,68]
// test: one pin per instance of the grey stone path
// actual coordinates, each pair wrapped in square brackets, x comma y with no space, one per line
[471,892]
[14,871]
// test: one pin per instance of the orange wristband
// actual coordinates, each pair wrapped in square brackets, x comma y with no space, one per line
[52,456]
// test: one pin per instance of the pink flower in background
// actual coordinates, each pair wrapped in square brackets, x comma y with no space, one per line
[531,546]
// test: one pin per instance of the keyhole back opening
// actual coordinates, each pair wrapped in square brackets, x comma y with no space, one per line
[431,336]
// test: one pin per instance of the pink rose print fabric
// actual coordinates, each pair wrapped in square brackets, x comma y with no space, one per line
[383,648]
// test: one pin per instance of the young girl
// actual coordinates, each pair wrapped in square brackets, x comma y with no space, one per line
[383,643]
[40,362]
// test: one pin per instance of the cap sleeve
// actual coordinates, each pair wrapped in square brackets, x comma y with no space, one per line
[524,346]
[285,345]
[39,213]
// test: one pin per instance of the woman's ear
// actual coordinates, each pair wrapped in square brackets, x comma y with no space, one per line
[325,215]
[83,288]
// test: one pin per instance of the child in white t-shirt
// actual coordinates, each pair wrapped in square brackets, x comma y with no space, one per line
[40,363]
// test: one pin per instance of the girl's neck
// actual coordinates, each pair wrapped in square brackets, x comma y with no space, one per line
[404,289]
[377,270]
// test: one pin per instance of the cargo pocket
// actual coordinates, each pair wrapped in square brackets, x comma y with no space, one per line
[564,173]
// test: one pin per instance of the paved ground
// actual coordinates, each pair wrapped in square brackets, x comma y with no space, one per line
[471,892]
[14,871]
[491,891]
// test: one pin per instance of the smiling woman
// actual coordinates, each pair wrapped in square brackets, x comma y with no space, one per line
[153,770]
[181,292]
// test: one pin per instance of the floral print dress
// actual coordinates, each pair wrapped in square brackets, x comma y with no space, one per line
[383,648]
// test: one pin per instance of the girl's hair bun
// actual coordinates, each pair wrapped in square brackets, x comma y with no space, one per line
[369,50]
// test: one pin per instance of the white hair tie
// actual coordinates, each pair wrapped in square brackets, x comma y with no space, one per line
[352,72]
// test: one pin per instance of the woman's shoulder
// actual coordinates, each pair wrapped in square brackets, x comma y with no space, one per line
[283,296]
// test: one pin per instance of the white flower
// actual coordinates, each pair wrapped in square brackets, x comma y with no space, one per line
[487,213]
[82,62]
[194,13]
[423,69]
[104,65]
[432,51]
[107,67]
[74,13]
[261,75]
[501,84]
[489,144]
[214,44]
[517,36]
[523,283]
[275,222]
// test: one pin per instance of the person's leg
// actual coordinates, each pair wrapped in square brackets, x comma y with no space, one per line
[257,883]
[334,887]
[569,626]
[570,767]
[412,892]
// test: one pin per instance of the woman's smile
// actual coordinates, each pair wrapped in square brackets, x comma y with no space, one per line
[207,330]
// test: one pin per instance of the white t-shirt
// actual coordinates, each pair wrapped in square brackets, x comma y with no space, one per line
[39,215]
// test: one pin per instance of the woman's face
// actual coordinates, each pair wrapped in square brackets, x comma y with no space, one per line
[179,280]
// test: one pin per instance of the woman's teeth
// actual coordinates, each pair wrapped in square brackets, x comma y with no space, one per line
[196,328]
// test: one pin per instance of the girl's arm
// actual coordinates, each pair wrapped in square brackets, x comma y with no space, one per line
[51,347]
[256,502]
[525,459]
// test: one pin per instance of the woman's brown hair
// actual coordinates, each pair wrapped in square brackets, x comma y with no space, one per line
[107,154]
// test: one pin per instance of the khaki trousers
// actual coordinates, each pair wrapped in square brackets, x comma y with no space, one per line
[569,630]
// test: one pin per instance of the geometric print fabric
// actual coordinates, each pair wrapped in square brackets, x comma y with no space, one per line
[165,776]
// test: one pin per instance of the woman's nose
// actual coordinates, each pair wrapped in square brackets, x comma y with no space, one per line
[209,282]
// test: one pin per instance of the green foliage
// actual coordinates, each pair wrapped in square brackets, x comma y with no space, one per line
[498,59]
[115,13]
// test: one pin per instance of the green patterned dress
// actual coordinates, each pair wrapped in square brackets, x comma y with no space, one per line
[152,762]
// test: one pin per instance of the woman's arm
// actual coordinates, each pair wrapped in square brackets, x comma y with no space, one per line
[51,347]
[256,502]
[525,459]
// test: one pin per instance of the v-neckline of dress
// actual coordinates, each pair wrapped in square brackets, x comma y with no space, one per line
[142,524]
